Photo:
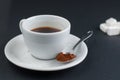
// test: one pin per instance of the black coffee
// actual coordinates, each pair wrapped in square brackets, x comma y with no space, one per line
[45,29]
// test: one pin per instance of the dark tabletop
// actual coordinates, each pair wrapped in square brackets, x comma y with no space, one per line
[103,59]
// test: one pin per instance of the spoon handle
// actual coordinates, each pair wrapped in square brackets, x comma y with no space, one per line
[83,38]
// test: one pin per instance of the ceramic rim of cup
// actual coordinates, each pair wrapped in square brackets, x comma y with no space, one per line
[64,30]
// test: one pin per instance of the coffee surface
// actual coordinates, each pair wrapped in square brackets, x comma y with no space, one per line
[45,29]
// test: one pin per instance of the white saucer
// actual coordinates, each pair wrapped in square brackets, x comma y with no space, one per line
[17,53]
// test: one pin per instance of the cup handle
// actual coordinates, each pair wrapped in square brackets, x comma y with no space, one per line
[20,24]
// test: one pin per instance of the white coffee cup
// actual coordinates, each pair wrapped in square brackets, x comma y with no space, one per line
[45,45]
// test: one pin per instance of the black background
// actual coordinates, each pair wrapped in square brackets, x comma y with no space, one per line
[103,60]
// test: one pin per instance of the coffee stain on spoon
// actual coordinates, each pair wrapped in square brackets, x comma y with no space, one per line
[63,57]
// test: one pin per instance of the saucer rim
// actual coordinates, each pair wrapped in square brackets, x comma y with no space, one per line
[38,69]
